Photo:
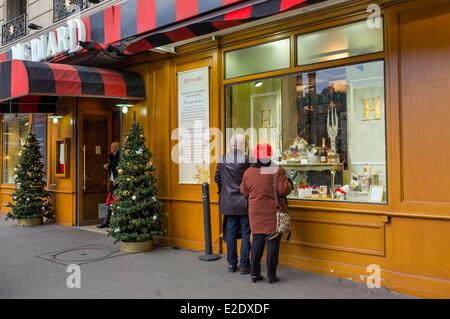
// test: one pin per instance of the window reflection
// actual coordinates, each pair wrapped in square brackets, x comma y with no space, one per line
[327,129]
[14,131]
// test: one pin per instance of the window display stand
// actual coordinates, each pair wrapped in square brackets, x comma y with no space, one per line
[315,167]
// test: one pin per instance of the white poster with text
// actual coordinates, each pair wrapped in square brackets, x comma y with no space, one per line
[193,126]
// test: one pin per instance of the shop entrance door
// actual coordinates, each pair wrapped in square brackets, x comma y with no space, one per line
[94,139]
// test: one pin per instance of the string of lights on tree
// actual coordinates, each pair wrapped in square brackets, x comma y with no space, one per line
[136,213]
[30,199]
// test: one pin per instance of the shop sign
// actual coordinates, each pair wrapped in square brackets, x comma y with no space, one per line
[64,39]
[193,126]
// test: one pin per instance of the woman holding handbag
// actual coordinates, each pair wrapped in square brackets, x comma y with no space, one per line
[266,186]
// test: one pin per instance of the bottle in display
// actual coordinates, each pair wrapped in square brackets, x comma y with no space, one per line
[323,152]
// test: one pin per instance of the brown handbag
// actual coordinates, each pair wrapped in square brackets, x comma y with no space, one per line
[283,218]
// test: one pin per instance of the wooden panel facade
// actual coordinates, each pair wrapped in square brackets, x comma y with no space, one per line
[408,237]
[420,46]
[339,239]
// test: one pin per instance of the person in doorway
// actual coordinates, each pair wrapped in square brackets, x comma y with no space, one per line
[233,205]
[260,183]
[111,167]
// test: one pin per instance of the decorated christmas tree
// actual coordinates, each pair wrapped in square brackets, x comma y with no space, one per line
[136,213]
[30,199]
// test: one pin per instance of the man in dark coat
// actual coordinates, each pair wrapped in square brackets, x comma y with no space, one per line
[111,167]
[233,205]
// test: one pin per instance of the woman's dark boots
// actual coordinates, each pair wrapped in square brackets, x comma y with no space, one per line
[257,278]
[273,279]
[107,217]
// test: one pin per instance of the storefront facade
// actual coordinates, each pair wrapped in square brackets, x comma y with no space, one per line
[375,97]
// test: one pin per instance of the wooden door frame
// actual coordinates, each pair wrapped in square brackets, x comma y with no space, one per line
[79,192]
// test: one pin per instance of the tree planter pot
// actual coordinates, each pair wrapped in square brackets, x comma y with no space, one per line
[140,247]
[29,222]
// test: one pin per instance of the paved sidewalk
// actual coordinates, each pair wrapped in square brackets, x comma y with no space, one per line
[32,265]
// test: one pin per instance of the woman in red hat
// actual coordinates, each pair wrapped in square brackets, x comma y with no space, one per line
[258,185]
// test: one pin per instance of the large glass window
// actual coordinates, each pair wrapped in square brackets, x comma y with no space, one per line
[327,129]
[257,59]
[15,128]
[340,42]
[14,131]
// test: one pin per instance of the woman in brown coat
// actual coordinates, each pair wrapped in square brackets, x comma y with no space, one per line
[257,185]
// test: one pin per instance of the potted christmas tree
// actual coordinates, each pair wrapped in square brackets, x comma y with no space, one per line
[136,217]
[30,199]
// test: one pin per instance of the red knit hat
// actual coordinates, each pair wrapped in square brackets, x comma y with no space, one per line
[262,151]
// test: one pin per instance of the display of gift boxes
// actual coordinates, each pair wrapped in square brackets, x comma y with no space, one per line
[357,190]
[302,157]
[303,153]
[320,192]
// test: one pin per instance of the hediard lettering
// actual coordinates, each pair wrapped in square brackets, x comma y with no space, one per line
[52,48]
[192,309]
[64,39]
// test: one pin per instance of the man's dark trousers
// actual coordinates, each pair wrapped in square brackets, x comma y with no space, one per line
[238,224]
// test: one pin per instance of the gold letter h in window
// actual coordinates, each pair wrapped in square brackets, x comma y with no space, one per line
[374,109]
[266,119]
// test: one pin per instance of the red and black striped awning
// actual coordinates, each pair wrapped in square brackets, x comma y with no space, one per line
[27,86]
[208,26]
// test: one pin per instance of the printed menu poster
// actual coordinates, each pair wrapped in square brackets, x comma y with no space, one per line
[193,126]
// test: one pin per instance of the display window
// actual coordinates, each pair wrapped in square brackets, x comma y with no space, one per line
[15,128]
[327,129]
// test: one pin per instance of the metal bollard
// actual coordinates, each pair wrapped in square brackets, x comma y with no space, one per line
[208,256]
